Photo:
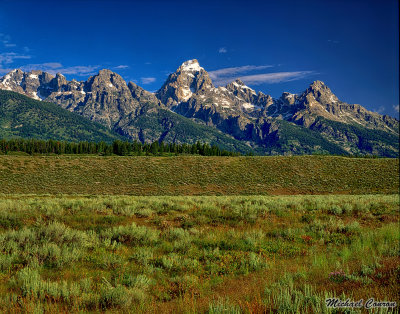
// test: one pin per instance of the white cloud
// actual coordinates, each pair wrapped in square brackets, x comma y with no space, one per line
[147,80]
[277,77]
[5,71]
[227,75]
[9,57]
[380,110]
[80,70]
[56,67]
[226,72]
[6,58]
[50,67]
[5,39]
[396,108]
[40,66]
[222,50]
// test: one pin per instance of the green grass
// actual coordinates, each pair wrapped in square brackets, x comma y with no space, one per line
[194,175]
[196,254]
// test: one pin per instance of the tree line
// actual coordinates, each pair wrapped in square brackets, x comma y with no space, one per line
[121,148]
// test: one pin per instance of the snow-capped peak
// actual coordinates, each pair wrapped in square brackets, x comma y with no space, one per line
[191,65]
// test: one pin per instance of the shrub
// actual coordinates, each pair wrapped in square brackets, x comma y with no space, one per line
[31,284]
[223,306]
[142,255]
[9,221]
[133,235]
[335,210]
[307,218]
[185,283]
[113,296]
[352,228]
[51,244]
[337,276]
[141,282]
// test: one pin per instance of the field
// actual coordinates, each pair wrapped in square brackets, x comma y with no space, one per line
[190,175]
[196,254]
[69,245]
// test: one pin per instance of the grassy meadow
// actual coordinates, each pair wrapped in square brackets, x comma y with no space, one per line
[196,254]
[189,234]
[197,175]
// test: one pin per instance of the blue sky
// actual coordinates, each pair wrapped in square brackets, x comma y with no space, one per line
[274,46]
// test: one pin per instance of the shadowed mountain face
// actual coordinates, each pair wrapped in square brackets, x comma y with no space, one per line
[313,121]
[21,116]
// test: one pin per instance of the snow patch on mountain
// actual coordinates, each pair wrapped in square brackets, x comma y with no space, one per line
[191,65]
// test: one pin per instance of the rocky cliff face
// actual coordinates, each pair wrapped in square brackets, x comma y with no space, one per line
[33,84]
[104,98]
[141,95]
[236,109]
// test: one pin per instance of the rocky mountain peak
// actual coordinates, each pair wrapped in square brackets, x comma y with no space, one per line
[141,95]
[239,85]
[188,79]
[105,75]
[12,78]
[46,77]
[104,98]
[106,80]
[26,83]
[242,91]
[106,72]
[319,92]
[316,85]
[17,73]
[239,82]
[288,98]
[59,80]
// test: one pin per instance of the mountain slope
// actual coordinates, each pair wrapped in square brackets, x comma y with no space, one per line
[153,123]
[354,138]
[21,116]
[282,137]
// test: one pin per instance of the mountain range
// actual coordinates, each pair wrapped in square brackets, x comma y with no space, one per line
[189,107]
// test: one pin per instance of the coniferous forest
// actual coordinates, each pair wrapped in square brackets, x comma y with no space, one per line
[121,148]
